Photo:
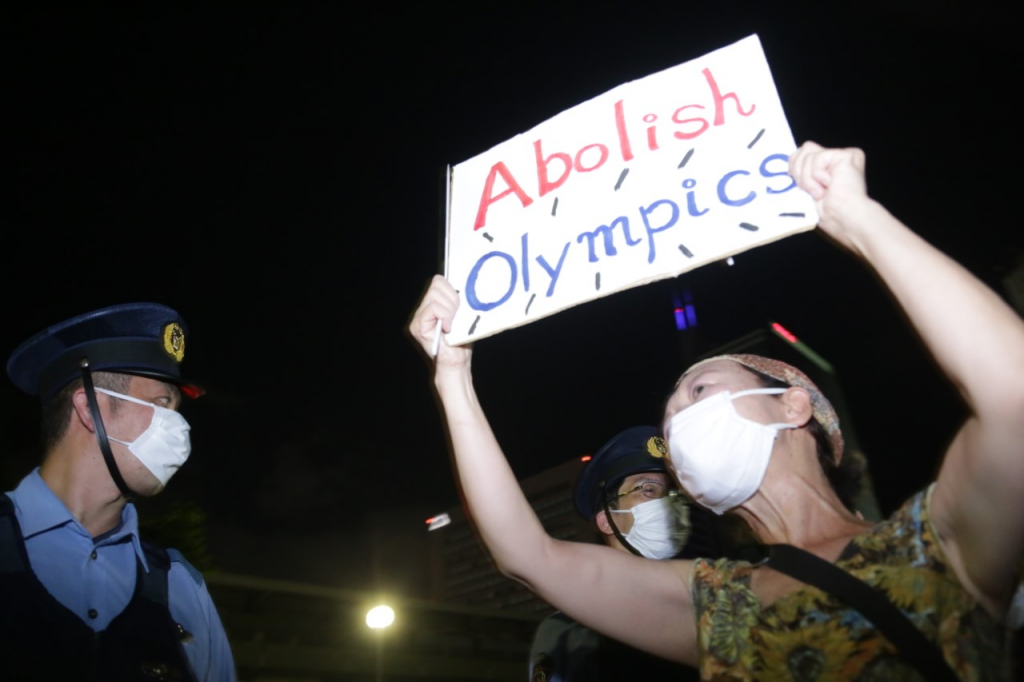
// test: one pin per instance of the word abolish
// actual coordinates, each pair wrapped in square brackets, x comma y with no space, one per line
[734,189]
[553,170]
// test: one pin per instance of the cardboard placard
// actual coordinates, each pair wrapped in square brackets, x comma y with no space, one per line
[653,178]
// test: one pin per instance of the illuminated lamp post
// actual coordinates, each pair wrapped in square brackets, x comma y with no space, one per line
[378,618]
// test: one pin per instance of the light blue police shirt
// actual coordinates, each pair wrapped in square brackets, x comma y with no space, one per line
[95,577]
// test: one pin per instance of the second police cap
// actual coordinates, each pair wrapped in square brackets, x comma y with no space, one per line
[633,451]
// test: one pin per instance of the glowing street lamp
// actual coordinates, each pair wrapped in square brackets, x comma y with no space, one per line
[380,617]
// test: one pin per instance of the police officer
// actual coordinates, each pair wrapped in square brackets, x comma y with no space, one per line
[627,492]
[83,597]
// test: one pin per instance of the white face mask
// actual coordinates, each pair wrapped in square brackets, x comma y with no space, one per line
[659,528]
[719,456]
[164,446]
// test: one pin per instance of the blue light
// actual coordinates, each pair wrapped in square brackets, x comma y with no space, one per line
[681,318]
[691,315]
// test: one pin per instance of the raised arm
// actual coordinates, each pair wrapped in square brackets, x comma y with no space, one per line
[638,601]
[978,501]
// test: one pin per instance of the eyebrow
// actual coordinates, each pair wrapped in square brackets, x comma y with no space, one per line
[690,377]
[686,377]
[647,477]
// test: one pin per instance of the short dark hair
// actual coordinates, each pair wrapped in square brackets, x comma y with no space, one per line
[844,476]
[57,410]
[611,493]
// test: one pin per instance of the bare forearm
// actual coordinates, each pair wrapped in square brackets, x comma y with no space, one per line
[507,523]
[974,336]
[567,574]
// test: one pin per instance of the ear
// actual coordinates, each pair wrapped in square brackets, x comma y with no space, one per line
[797,402]
[602,523]
[81,411]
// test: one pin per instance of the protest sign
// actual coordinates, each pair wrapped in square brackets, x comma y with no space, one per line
[653,178]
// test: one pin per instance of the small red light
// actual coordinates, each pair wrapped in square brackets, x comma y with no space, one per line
[430,521]
[585,458]
[783,332]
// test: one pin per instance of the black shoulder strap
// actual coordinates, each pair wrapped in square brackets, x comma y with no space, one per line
[913,646]
[13,556]
[154,583]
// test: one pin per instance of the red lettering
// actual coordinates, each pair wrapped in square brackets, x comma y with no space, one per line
[543,185]
[620,127]
[579,158]
[693,134]
[720,100]
[487,199]
[652,132]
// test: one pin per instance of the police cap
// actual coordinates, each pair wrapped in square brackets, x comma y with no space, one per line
[635,450]
[147,339]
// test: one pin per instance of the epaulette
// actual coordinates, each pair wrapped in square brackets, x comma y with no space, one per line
[177,557]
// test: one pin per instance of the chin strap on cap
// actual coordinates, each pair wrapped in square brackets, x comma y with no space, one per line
[611,522]
[101,432]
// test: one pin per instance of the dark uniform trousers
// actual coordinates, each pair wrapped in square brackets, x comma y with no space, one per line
[41,640]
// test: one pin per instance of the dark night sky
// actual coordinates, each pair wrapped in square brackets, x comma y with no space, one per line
[274,174]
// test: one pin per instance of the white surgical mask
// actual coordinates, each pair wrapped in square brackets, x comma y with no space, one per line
[164,446]
[659,529]
[719,456]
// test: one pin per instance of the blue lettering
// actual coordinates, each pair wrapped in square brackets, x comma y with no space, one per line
[553,272]
[784,171]
[606,231]
[644,212]
[691,201]
[591,237]
[471,297]
[625,230]
[721,190]
[526,261]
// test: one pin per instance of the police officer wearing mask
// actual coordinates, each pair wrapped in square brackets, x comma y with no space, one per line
[627,492]
[83,597]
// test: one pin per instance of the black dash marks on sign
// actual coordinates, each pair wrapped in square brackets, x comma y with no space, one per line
[756,138]
[748,226]
[597,281]
[488,237]
[527,311]
[685,251]
[792,215]
[622,176]
[472,328]
[685,159]
[554,206]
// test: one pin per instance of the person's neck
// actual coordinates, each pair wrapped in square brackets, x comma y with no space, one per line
[797,506]
[80,479]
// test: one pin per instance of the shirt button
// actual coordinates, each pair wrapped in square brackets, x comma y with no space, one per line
[93,613]
[93,555]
